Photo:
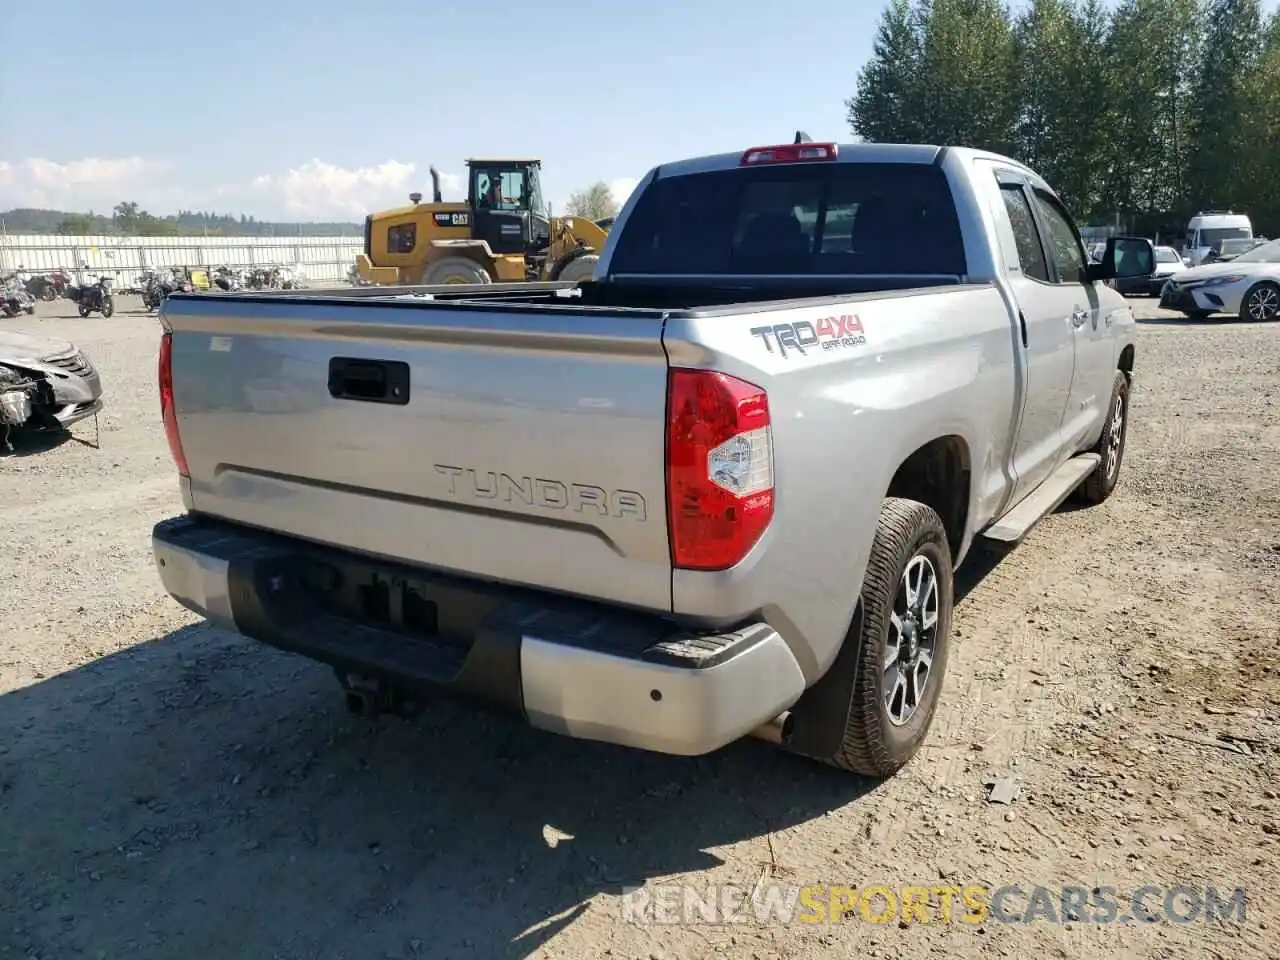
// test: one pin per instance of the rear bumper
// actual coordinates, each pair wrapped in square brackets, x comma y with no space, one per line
[570,667]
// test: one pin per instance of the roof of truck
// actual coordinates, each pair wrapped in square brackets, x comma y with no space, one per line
[847,153]
[921,153]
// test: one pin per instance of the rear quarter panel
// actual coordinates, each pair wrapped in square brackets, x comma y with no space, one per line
[912,367]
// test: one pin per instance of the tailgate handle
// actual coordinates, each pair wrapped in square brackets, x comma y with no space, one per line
[373,381]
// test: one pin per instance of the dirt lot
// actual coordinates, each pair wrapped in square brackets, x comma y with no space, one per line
[167,790]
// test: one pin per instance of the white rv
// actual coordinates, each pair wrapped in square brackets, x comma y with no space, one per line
[1207,229]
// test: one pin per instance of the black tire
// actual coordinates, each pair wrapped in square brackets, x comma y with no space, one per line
[1110,446]
[578,265]
[84,311]
[1261,304]
[455,270]
[108,308]
[873,743]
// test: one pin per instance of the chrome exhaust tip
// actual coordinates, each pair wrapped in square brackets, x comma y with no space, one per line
[776,731]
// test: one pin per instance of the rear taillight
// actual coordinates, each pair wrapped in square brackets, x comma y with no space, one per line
[719,468]
[167,411]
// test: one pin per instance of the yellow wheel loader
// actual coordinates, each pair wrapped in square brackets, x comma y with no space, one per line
[501,234]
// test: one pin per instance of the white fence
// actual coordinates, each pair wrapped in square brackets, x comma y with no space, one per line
[313,258]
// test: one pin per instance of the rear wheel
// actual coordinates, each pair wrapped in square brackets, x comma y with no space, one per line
[455,270]
[84,311]
[901,641]
[579,267]
[1261,303]
[1110,446]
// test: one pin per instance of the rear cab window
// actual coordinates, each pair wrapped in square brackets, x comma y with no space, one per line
[811,219]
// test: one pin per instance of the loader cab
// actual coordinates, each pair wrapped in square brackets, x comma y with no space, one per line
[505,197]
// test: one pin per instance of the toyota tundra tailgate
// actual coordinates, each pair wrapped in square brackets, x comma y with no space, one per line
[514,442]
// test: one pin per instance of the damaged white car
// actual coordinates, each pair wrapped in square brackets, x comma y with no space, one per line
[45,384]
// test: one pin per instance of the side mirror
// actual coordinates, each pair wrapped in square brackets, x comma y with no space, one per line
[1125,257]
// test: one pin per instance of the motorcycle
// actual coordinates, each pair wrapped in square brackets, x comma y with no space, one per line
[289,280]
[155,287]
[154,290]
[16,299]
[224,278]
[49,287]
[96,296]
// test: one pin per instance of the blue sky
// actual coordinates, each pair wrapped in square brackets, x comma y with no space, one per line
[289,108]
[312,109]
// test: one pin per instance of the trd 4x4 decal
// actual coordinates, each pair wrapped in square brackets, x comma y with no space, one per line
[829,333]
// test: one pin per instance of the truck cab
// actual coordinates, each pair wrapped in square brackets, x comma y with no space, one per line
[505,197]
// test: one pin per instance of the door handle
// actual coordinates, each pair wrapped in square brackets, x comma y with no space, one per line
[1079,318]
[370,381]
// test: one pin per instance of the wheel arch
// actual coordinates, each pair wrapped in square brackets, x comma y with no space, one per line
[478,251]
[566,258]
[939,473]
[1125,363]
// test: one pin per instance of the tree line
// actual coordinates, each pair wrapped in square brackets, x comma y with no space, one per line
[1149,111]
[130,220]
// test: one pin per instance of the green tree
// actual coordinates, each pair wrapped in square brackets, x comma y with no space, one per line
[942,71]
[1257,159]
[1060,129]
[76,225]
[125,216]
[887,104]
[968,63]
[595,202]
[1148,108]
[1149,49]
[1219,111]
[149,226]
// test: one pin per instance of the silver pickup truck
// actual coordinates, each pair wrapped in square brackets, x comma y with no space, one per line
[718,489]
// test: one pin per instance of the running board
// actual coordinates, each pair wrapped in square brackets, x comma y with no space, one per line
[1046,498]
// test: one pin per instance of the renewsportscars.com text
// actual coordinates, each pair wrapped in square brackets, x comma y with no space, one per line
[971,904]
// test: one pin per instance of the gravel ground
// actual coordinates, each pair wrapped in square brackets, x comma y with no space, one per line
[167,790]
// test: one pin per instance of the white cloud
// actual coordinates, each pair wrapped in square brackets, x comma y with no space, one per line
[323,191]
[316,190]
[91,183]
[622,188]
[450,185]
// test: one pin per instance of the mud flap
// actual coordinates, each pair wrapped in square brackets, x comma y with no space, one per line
[817,723]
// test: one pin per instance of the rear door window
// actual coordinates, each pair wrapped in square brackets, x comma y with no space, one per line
[1030,250]
[795,219]
[1065,249]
